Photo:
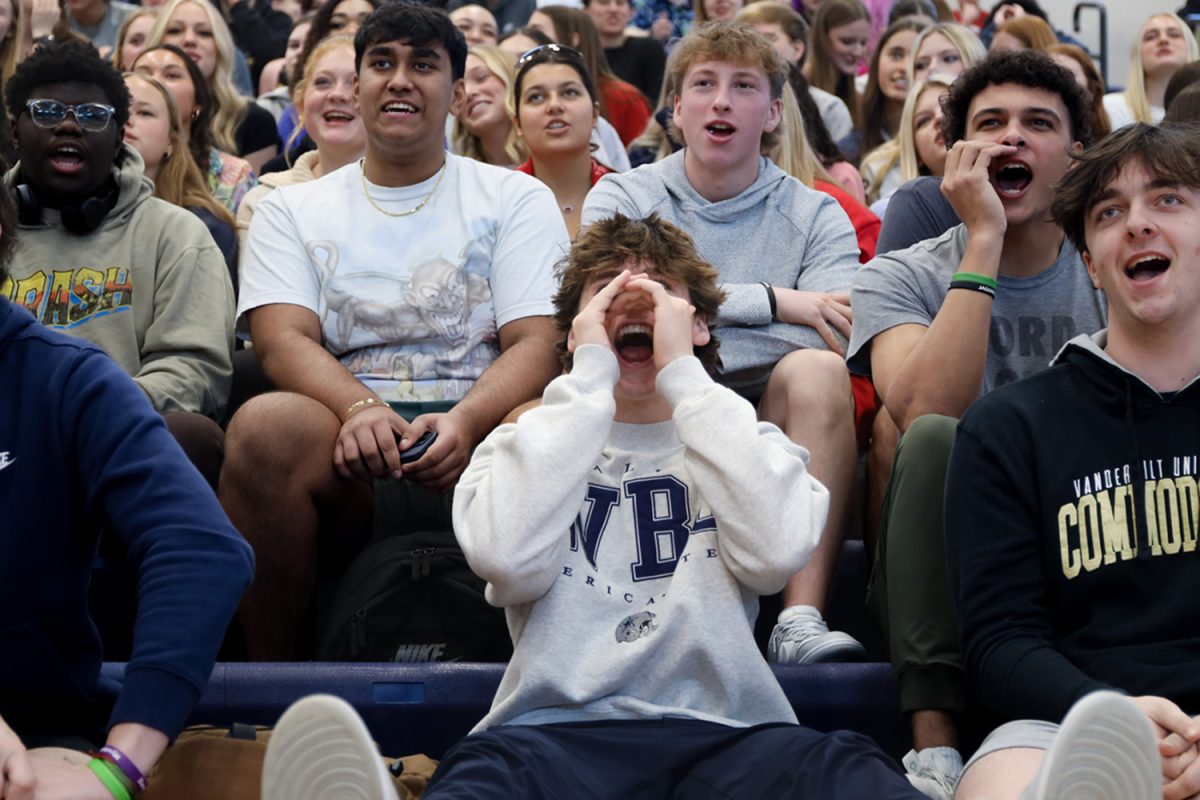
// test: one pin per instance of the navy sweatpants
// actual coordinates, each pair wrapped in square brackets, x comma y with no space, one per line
[668,758]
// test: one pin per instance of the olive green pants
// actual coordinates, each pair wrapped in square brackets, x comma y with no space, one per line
[909,590]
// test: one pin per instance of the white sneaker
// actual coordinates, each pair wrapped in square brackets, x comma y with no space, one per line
[934,771]
[321,750]
[802,637]
[1105,750]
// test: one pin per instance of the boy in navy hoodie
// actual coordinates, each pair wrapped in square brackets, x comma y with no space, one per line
[1071,499]
[83,453]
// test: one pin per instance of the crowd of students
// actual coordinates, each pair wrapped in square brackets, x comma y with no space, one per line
[855,232]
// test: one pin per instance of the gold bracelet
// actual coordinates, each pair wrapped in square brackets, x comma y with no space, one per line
[366,402]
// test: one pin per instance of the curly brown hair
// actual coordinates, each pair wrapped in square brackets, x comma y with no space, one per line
[1028,68]
[608,245]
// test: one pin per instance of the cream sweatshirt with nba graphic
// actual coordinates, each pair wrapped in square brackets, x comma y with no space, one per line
[630,558]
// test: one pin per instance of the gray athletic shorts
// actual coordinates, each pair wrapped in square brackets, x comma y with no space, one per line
[1034,733]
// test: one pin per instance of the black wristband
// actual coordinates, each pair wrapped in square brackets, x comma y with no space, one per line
[771,299]
[974,286]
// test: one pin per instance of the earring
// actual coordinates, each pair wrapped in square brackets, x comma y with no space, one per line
[195,114]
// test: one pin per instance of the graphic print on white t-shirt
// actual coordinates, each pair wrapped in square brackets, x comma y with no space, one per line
[441,308]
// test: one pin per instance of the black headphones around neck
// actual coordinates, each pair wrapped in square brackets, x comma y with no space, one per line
[78,218]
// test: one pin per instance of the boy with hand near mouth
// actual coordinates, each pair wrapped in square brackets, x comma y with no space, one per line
[640,507]
[947,320]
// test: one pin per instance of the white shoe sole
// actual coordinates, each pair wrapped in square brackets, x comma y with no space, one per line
[832,647]
[1105,750]
[322,750]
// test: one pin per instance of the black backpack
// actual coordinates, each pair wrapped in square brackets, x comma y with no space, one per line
[412,598]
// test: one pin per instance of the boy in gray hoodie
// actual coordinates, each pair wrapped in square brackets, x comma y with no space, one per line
[786,256]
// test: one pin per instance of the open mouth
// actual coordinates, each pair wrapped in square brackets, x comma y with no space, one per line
[66,158]
[557,125]
[720,130]
[1147,267]
[1011,179]
[338,116]
[635,343]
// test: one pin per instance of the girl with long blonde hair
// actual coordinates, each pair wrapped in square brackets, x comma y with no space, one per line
[237,125]
[1162,46]
[917,149]
[483,128]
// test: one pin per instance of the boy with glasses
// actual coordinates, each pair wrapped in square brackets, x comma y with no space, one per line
[104,260]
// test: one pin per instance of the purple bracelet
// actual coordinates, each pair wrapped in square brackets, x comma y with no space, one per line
[125,764]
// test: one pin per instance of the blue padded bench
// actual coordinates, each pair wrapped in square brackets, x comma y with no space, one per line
[425,708]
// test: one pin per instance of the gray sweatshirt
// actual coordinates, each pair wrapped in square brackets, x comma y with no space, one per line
[629,558]
[777,231]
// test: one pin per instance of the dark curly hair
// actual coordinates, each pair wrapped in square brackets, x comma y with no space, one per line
[68,61]
[607,245]
[415,25]
[1028,68]
[1170,155]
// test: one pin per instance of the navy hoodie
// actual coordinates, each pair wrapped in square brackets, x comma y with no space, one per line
[1072,516]
[81,452]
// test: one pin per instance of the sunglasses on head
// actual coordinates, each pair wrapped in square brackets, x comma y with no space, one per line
[545,51]
[51,113]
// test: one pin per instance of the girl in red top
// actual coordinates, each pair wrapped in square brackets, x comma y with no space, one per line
[556,110]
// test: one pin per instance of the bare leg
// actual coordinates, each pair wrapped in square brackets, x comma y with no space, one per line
[808,397]
[1003,775]
[278,487]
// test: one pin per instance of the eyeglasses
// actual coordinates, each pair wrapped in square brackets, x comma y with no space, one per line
[545,51]
[92,117]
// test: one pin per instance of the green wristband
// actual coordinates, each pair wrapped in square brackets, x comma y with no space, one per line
[105,772]
[974,278]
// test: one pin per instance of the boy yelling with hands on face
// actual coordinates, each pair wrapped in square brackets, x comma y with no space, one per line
[639,508]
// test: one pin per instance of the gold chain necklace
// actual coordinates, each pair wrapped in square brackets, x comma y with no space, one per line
[362,165]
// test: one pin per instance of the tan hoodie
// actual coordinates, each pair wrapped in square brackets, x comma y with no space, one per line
[148,286]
